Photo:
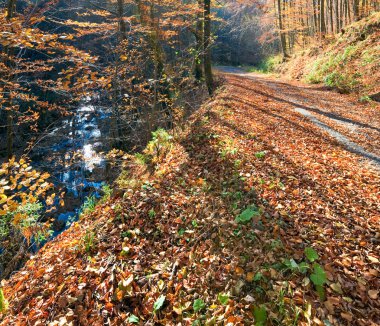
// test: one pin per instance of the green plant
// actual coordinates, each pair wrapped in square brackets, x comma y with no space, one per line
[147,185]
[3,302]
[152,213]
[223,298]
[260,314]
[161,142]
[198,305]
[140,158]
[88,241]
[237,164]
[133,319]
[276,244]
[227,148]
[88,205]
[107,192]
[258,277]
[194,223]
[365,99]
[260,154]
[126,234]
[159,303]
[248,214]
[318,277]
[311,254]
[267,65]
[181,232]
[295,267]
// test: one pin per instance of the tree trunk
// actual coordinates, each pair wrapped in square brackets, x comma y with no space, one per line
[199,45]
[322,17]
[122,24]
[331,17]
[282,34]
[315,15]
[207,46]
[11,7]
[356,9]
[337,16]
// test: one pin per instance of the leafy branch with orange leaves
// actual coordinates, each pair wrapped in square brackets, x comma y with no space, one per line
[24,192]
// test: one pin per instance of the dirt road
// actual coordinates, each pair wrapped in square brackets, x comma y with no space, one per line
[353,125]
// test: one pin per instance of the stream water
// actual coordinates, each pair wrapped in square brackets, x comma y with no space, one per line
[72,152]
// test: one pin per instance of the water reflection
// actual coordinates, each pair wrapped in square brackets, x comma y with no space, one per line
[91,158]
[73,154]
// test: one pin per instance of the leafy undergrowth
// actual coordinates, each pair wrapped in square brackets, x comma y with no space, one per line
[248,216]
[349,63]
[267,65]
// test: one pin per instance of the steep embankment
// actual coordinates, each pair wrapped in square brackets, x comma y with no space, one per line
[350,62]
[251,214]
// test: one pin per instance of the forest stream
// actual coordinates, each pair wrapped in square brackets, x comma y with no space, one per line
[72,153]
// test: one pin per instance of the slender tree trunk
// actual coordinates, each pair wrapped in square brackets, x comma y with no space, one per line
[356,9]
[207,47]
[315,15]
[116,128]
[11,7]
[122,24]
[346,13]
[331,17]
[199,44]
[364,8]
[338,26]
[318,5]
[282,34]
[322,17]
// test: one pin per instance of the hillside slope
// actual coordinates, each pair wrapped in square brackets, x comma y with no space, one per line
[350,62]
[251,214]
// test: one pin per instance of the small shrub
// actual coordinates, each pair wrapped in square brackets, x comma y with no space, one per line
[141,158]
[267,65]
[88,205]
[152,213]
[365,99]
[107,192]
[88,241]
[160,144]
[260,154]
[227,148]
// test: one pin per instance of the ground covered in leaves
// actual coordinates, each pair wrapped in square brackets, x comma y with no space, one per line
[250,215]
